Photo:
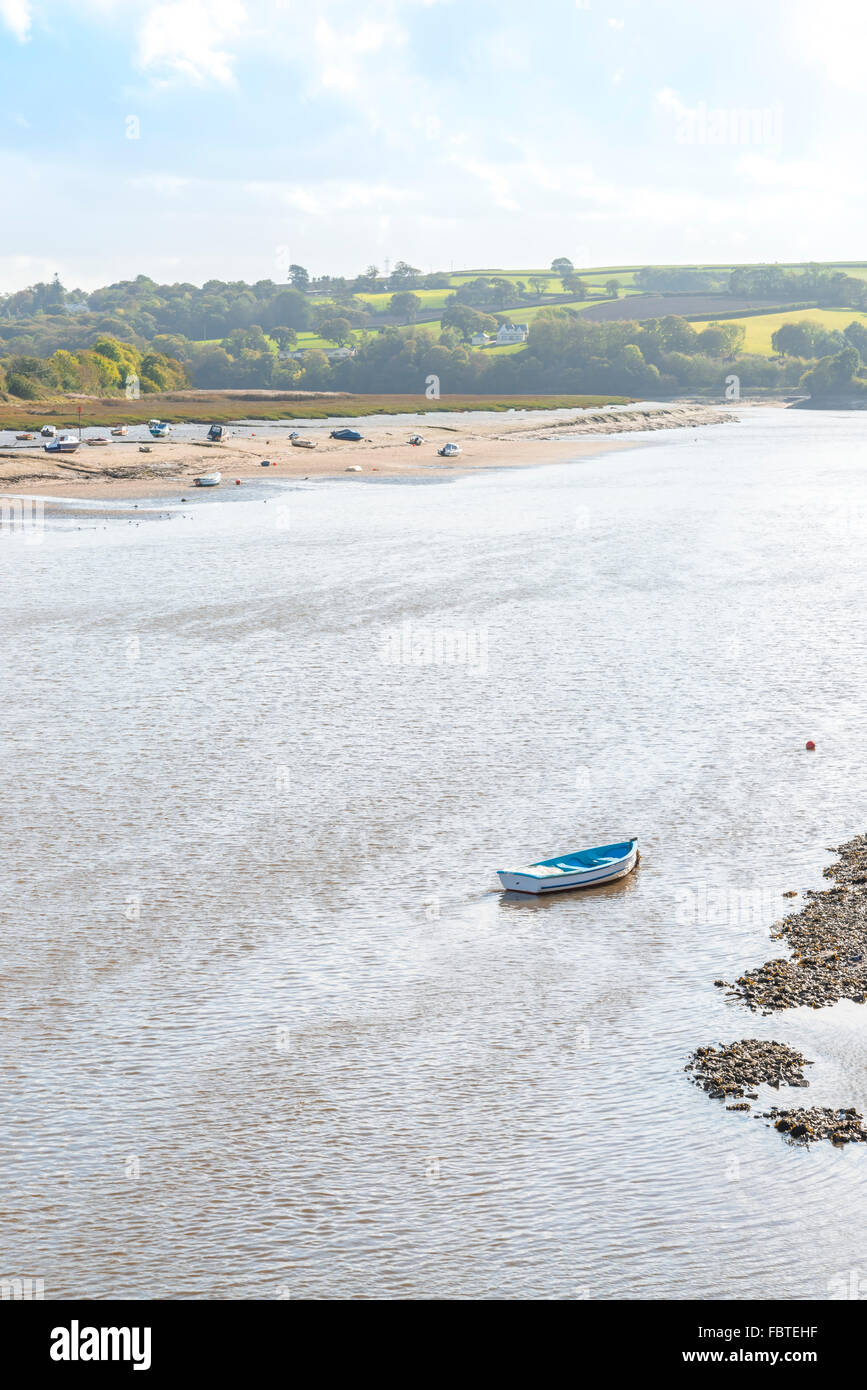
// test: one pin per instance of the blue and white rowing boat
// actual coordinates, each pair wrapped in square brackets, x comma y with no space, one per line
[580,869]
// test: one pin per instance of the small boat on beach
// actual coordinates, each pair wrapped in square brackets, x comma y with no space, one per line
[24,436]
[303,443]
[159,428]
[208,480]
[215,434]
[67,444]
[580,869]
[48,431]
[346,434]
[119,429]
[416,439]
[448,451]
[93,442]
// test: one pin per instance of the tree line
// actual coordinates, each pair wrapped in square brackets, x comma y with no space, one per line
[566,353]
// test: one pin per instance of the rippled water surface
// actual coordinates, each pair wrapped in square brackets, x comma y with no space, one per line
[269,1027]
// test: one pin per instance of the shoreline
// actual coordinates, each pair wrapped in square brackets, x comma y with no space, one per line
[167,468]
[828,940]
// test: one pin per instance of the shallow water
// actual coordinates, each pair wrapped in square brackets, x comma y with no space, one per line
[270,1028]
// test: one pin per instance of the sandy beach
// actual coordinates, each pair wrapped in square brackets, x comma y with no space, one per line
[121,470]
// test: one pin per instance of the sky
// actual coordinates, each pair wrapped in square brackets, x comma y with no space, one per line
[197,139]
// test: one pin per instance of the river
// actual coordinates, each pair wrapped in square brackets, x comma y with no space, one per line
[271,1030]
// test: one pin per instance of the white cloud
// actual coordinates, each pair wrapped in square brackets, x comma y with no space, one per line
[507,51]
[342,53]
[165,185]
[191,39]
[331,196]
[831,37]
[16,16]
[670,103]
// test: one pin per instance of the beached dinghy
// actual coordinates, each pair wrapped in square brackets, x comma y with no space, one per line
[119,429]
[303,443]
[578,870]
[208,480]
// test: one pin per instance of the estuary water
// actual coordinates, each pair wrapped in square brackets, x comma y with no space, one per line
[269,1028]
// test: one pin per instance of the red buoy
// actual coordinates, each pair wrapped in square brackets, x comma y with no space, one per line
[237,482]
[811,747]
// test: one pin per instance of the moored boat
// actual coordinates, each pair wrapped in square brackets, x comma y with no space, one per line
[303,443]
[67,444]
[448,451]
[92,442]
[48,431]
[215,433]
[25,435]
[582,868]
[119,429]
[159,428]
[346,434]
[208,480]
[416,439]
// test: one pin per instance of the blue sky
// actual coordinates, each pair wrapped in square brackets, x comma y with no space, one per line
[443,132]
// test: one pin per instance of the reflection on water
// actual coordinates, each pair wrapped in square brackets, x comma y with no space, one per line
[270,1029]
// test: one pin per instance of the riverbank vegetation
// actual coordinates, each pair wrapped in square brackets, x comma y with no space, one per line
[223,406]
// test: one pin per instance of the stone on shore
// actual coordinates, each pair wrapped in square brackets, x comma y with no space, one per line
[727,1071]
[828,941]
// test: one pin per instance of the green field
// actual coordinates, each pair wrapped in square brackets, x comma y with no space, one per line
[430,299]
[760,327]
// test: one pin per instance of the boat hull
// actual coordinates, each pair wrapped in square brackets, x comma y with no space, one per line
[514,881]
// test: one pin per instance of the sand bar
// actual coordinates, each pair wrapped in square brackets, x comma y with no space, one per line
[122,471]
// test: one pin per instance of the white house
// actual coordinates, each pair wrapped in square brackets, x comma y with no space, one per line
[512,333]
[480,339]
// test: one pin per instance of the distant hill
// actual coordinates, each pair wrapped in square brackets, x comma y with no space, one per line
[590,330]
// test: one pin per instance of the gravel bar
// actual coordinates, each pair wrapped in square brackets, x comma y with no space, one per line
[828,941]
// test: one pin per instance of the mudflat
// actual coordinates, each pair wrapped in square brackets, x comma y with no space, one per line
[127,469]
